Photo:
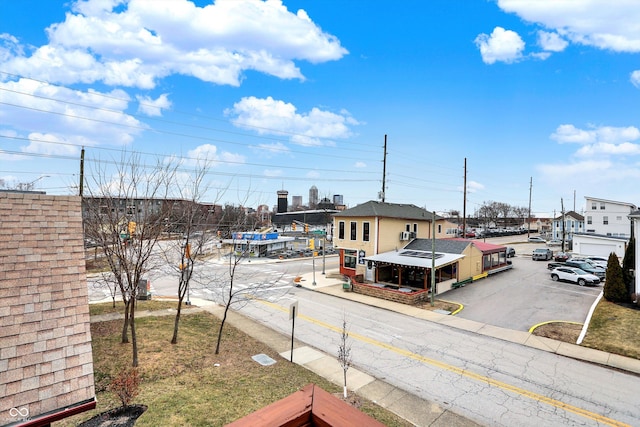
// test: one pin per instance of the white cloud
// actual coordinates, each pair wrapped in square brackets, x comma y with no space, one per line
[69,116]
[607,148]
[473,186]
[635,78]
[275,117]
[604,24]
[360,165]
[563,171]
[570,134]
[551,41]
[134,46]
[208,154]
[501,46]
[153,107]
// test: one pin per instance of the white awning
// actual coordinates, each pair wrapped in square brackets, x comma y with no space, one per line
[413,258]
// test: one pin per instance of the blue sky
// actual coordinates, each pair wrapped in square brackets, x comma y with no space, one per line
[536,95]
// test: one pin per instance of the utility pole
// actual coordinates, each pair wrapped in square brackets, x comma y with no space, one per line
[433,258]
[81,186]
[464,202]
[384,169]
[563,229]
[529,220]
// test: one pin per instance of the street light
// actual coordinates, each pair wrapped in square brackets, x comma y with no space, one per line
[28,186]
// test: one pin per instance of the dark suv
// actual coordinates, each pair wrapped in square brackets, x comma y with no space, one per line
[585,266]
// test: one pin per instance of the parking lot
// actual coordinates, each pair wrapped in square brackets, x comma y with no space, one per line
[523,296]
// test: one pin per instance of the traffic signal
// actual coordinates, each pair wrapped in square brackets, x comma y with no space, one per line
[312,244]
[306,228]
[293,226]
[132,228]
[187,250]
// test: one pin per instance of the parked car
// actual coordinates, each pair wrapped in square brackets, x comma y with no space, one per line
[561,256]
[536,239]
[554,243]
[543,254]
[599,261]
[510,252]
[589,268]
[574,275]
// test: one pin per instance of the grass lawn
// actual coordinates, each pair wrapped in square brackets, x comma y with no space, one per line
[613,328]
[187,384]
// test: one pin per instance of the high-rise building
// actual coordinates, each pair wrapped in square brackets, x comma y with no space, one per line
[313,197]
[338,199]
[283,203]
[296,202]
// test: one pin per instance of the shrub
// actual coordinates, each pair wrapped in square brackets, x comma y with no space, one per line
[126,385]
[615,289]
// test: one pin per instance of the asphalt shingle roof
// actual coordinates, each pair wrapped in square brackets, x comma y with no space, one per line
[388,210]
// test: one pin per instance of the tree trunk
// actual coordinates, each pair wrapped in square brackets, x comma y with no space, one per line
[134,340]
[224,318]
[174,339]
[125,325]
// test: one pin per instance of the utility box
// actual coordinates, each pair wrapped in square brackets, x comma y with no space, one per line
[144,289]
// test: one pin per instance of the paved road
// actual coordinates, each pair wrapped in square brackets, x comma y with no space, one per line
[491,381]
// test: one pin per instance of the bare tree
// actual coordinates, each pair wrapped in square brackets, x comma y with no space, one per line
[344,354]
[124,214]
[195,225]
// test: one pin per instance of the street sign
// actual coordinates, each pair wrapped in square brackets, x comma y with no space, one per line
[293,310]
[319,232]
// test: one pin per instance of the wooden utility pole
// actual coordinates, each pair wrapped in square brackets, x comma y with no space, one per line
[81,186]
[464,202]
[384,169]
[529,219]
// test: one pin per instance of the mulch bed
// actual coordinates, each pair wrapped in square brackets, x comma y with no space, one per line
[124,416]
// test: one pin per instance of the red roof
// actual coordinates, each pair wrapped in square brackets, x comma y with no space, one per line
[483,246]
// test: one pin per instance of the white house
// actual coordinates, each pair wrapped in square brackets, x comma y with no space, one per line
[607,228]
[569,224]
[607,217]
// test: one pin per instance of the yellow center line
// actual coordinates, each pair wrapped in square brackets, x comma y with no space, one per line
[460,371]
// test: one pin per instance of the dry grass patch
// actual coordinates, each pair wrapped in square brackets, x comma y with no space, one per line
[141,306]
[561,331]
[614,328]
[187,384]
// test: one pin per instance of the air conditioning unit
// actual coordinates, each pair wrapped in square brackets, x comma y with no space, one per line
[404,235]
[413,235]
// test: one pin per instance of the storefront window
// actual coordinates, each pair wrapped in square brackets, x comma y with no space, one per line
[350,258]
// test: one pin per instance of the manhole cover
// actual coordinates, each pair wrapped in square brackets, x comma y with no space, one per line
[263,359]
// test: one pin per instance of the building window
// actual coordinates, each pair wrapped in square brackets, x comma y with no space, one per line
[415,228]
[365,232]
[341,230]
[407,228]
[601,206]
[353,230]
[439,228]
[605,220]
[618,218]
[350,258]
[589,220]
[594,206]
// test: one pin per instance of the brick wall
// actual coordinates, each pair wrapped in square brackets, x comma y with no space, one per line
[46,363]
[390,294]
